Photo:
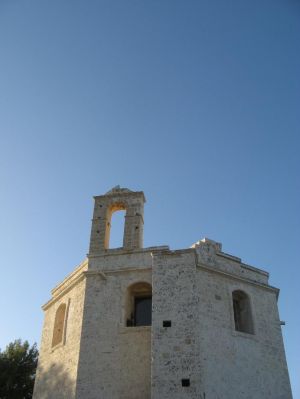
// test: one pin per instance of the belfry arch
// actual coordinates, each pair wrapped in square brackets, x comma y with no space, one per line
[113,201]
[117,207]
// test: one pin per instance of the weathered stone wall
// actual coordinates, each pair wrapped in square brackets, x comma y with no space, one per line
[57,368]
[114,359]
[202,343]
[237,364]
[175,349]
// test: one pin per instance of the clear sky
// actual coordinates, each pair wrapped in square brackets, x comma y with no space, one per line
[194,102]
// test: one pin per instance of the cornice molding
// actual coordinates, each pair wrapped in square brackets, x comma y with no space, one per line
[236,277]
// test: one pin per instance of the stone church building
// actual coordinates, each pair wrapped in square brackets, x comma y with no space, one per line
[141,323]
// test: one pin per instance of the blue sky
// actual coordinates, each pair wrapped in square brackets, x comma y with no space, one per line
[194,102]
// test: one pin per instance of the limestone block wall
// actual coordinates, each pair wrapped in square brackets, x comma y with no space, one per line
[198,346]
[175,349]
[202,344]
[114,359]
[57,367]
[237,364]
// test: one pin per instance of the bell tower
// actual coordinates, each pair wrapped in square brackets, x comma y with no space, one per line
[105,205]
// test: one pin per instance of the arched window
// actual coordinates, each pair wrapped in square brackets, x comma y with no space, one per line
[139,305]
[116,217]
[59,324]
[242,312]
[117,223]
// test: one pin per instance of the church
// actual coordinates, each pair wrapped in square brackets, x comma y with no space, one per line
[155,323]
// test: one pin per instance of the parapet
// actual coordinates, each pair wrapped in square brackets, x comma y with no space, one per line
[209,254]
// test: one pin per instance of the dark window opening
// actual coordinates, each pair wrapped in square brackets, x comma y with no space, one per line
[142,311]
[242,312]
[139,305]
[185,382]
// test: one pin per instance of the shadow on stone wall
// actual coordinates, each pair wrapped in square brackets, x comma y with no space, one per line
[53,383]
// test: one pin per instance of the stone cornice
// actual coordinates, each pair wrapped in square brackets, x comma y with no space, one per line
[82,271]
[74,282]
[239,261]
[122,251]
[68,280]
[84,274]
[120,194]
[236,277]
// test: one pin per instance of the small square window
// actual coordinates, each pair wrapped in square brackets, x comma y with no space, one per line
[185,382]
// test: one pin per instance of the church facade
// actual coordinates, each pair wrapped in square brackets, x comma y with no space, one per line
[141,323]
